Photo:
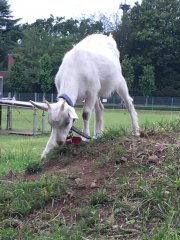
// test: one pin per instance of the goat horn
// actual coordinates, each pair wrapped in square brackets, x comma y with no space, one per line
[48,104]
[62,106]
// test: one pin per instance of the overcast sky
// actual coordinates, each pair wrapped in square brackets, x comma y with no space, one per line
[30,10]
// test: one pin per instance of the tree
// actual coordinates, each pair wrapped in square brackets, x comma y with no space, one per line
[16,78]
[38,39]
[52,37]
[147,81]
[155,28]
[87,26]
[45,69]
[10,32]
[122,35]
[128,71]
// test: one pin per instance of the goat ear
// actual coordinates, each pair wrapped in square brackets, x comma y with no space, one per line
[72,113]
[42,106]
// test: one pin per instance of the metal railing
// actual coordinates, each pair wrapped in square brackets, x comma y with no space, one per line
[114,101]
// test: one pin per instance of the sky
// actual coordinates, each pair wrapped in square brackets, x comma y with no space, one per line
[30,10]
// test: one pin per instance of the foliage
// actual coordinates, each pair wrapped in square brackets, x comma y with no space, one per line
[147,81]
[10,32]
[39,55]
[44,74]
[128,71]
[44,43]
[110,23]
[88,26]
[148,35]
[122,35]
[15,79]
[155,38]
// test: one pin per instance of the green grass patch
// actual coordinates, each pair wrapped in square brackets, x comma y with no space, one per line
[17,152]
[22,119]
[99,197]
[22,198]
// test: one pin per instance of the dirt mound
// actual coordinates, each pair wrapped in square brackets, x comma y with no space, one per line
[90,165]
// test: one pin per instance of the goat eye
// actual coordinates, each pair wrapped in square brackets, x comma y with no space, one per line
[67,122]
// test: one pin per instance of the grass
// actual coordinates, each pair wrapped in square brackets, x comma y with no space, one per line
[22,119]
[136,200]
[16,152]
[25,197]
[99,197]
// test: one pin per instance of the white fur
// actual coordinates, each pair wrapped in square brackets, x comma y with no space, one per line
[89,71]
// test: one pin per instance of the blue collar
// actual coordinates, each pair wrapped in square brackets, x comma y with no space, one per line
[68,100]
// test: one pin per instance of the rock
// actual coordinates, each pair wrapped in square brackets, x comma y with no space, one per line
[94,184]
[80,183]
[123,159]
[153,159]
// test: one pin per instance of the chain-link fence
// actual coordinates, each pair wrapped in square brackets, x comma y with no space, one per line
[26,121]
[114,101]
[34,121]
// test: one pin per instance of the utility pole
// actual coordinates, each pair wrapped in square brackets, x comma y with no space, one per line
[125,7]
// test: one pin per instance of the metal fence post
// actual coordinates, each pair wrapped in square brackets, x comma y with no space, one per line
[34,122]
[8,113]
[114,101]
[43,116]
[9,118]
[146,101]
[172,103]
[152,103]
[44,96]
[0,117]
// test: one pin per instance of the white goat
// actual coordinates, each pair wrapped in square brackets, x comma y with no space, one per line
[89,71]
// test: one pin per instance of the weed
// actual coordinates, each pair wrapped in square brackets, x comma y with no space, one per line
[162,126]
[112,133]
[119,150]
[87,217]
[99,197]
[116,153]
[103,159]
[33,168]
[166,232]
[8,233]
